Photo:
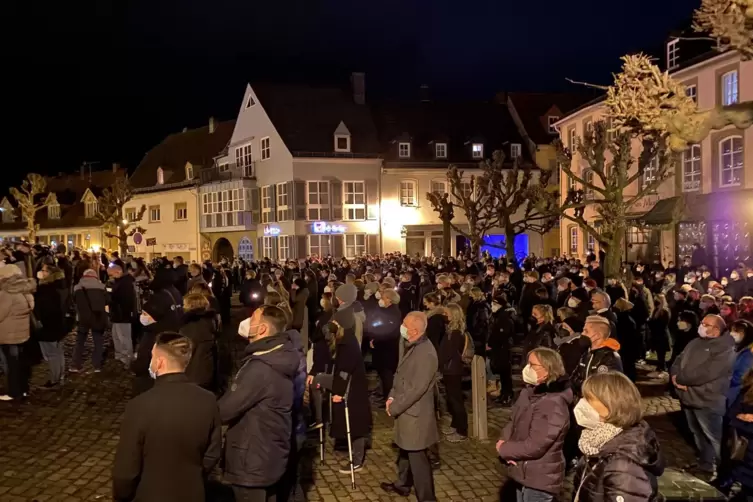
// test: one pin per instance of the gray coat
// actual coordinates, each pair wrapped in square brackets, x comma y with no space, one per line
[413,396]
[705,367]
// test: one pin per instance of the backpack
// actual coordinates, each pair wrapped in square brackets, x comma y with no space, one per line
[469,349]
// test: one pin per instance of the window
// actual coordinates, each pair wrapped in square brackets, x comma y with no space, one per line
[515,150]
[265,151]
[244,160]
[731,161]
[268,247]
[317,201]
[477,151]
[154,214]
[573,240]
[691,169]
[403,150]
[440,150]
[588,125]
[551,120]
[355,245]
[160,176]
[250,102]
[342,143]
[588,177]
[439,186]
[572,145]
[729,88]
[635,235]
[130,214]
[53,211]
[590,242]
[673,54]
[224,208]
[223,167]
[266,204]
[466,188]
[283,213]
[319,245]
[181,211]
[354,200]
[189,172]
[650,172]
[246,249]
[91,209]
[407,193]
[692,92]
[571,185]
[283,247]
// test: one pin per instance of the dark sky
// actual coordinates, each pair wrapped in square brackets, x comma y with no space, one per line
[104,80]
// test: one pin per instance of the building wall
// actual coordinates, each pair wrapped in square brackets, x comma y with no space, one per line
[546,156]
[174,237]
[85,238]
[242,242]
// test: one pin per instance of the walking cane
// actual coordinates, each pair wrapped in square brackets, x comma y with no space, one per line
[350,444]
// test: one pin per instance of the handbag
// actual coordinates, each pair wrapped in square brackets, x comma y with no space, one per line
[35,325]
[737,445]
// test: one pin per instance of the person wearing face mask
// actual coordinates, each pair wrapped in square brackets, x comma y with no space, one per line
[745,308]
[596,273]
[708,306]
[90,298]
[411,404]
[532,442]
[259,407]
[621,458]
[701,374]
[579,301]
[501,332]
[603,355]
[563,292]
[615,289]
[736,287]
[542,332]
[452,368]
[742,334]
[382,328]
[528,296]
[50,303]
[154,459]
[195,276]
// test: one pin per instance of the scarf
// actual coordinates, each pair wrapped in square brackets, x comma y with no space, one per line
[593,440]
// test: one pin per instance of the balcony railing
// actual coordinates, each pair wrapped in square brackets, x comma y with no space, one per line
[227,172]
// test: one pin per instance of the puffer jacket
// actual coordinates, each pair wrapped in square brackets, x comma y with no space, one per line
[626,469]
[16,302]
[51,304]
[536,434]
[601,360]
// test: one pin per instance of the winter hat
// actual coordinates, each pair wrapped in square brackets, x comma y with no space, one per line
[580,294]
[344,318]
[9,271]
[91,273]
[372,287]
[346,293]
[623,305]
[590,283]
[575,324]
[388,281]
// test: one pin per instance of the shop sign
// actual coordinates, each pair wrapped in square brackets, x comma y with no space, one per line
[271,230]
[321,227]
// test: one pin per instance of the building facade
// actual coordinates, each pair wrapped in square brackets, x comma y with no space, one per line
[713,182]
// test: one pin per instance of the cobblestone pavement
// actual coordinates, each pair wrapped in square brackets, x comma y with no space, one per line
[59,446]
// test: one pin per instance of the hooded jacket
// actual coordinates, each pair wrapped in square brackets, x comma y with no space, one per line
[626,469]
[50,307]
[258,409]
[605,358]
[535,436]
[123,299]
[16,302]
[91,298]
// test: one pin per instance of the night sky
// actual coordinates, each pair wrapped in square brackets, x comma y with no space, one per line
[104,80]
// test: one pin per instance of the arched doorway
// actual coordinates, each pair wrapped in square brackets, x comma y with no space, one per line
[246,249]
[222,249]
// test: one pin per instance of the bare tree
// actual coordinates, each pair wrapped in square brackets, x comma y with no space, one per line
[111,207]
[729,22]
[608,191]
[442,204]
[29,203]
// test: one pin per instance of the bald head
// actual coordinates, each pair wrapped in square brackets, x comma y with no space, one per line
[415,323]
[714,324]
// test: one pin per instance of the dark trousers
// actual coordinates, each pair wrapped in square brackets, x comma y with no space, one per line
[455,403]
[414,470]
[504,368]
[18,371]
[386,376]
[246,494]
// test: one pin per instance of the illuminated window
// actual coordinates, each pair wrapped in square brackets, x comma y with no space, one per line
[729,88]
[355,245]
[651,172]
[268,247]
[244,160]
[53,211]
[267,193]
[673,54]
[515,150]
[440,150]
[246,249]
[354,197]
[283,211]
[91,209]
[573,239]
[692,92]
[181,211]
[403,150]
[407,193]
[588,177]
[572,141]
[551,120]
[154,214]
[478,151]
[731,161]
[439,187]
[160,176]
[283,247]
[319,245]
[691,169]
[317,200]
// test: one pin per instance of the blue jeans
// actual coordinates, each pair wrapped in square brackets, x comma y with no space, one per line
[78,351]
[55,357]
[525,494]
[706,427]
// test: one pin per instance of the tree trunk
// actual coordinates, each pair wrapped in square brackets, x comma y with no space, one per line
[123,242]
[476,247]
[613,253]
[510,244]
[446,238]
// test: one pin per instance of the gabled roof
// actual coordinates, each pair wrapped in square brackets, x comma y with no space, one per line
[534,108]
[197,146]
[307,117]
[458,124]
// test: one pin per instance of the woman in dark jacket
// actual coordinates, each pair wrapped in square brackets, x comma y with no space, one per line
[532,442]
[658,326]
[477,320]
[451,366]
[542,332]
[198,325]
[51,302]
[740,416]
[383,330]
[299,295]
[571,344]
[501,331]
[436,320]
[621,456]
[321,342]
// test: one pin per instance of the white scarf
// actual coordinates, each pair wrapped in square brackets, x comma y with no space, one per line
[593,440]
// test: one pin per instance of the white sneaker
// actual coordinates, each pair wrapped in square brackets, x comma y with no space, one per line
[6,397]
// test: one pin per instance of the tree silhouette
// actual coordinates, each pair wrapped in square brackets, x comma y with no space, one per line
[25,196]
[111,206]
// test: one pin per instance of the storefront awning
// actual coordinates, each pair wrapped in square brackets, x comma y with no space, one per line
[662,213]
[733,205]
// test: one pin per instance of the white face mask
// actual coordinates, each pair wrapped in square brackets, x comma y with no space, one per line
[404,331]
[382,304]
[572,303]
[737,337]
[378,295]
[529,375]
[463,288]
[146,319]
[40,275]
[586,416]
[734,276]
[702,331]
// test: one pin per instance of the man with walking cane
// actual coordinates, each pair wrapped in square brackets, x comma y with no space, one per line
[411,403]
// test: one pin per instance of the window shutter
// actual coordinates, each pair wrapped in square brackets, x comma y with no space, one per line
[372,200]
[273,203]
[300,246]
[255,219]
[338,245]
[290,213]
[299,200]
[336,188]
[372,244]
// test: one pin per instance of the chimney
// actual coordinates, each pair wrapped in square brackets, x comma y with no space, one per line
[115,167]
[423,93]
[212,125]
[358,80]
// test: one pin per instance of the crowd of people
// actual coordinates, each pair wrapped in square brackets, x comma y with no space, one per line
[315,326]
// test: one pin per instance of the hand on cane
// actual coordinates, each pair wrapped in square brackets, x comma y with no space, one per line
[337,399]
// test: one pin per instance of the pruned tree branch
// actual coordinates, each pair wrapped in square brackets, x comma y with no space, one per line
[111,209]
[29,203]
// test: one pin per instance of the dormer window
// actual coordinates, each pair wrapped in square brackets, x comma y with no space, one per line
[477,151]
[551,120]
[440,150]
[673,54]
[342,138]
[189,171]
[91,209]
[53,211]
[250,101]
[403,150]
[515,150]
[160,176]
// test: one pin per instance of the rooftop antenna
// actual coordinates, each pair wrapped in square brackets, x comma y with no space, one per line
[88,164]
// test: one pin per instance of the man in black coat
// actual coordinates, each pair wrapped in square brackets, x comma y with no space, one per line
[181,275]
[122,308]
[597,274]
[155,459]
[602,356]
[258,407]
